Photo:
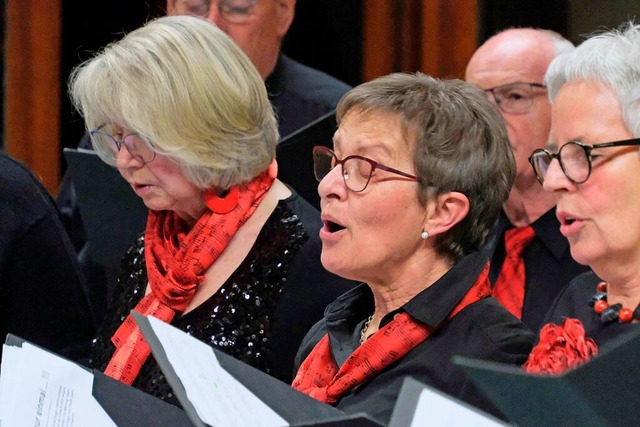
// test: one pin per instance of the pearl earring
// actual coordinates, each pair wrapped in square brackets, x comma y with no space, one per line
[424,235]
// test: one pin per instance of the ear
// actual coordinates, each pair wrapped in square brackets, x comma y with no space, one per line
[445,211]
[286,12]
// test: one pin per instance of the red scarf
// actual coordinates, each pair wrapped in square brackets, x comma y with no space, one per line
[320,378]
[176,260]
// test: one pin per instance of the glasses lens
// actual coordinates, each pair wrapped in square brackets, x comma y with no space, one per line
[107,143]
[356,173]
[139,148]
[237,11]
[515,98]
[575,162]
[194,7]
[541,159]
[323,162]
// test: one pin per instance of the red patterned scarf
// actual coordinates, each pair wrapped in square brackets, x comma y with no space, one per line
[320,378]
[176,260]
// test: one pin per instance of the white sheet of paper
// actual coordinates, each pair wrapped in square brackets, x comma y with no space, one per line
[8,382]
[437,410]
[219,399]
[48,390]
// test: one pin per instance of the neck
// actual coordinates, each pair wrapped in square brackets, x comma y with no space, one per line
[393,294]
[527,202]
[623,285]
[268,64]
[192,216]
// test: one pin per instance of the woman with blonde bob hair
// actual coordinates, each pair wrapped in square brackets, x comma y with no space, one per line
[230,254]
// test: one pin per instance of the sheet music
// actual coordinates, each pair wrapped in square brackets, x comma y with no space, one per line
[219,399]
[38,388]
[435,410]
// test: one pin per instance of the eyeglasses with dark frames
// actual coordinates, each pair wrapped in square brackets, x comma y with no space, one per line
[235,11]
[574,158]
[140,149]
[514,98]
[356,170]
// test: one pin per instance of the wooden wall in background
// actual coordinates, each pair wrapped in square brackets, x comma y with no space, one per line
[32,86]
[436,37]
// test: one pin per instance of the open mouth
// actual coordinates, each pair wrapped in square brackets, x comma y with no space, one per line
[333,227]
[569,220]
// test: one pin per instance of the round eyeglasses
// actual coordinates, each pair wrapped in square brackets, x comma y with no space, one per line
[574,157]
[514,98]
[356,170]
[140,149]
[235,11]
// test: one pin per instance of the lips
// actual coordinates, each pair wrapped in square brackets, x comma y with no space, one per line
[566,218]
[140,189]
[570,224]
[331,227]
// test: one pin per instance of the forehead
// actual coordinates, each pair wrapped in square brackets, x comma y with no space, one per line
[508,59]
[373,130]
[586,111]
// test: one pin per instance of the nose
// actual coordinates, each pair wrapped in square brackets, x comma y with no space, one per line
[214,15]
[124,159]
[332,185]
[555,179]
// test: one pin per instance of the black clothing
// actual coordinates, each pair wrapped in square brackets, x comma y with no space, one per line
[574,300]
[549,266]
[483,330]
[42,294]
[259,315]
[300,94]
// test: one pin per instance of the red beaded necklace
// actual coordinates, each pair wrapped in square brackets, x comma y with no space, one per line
[609,313]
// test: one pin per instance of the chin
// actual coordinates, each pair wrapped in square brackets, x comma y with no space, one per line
[335,265]
[583,255]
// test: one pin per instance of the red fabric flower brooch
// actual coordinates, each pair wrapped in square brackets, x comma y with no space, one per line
[561,347]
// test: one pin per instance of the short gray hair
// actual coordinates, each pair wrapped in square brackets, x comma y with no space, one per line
[461,145]
[183,84]
[611,59]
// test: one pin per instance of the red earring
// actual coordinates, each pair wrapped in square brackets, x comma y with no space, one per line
[222,205]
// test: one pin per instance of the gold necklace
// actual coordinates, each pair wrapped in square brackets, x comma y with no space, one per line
[364,329]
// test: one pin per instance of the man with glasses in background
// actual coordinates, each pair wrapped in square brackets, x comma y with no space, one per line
[530,259]
[299,94]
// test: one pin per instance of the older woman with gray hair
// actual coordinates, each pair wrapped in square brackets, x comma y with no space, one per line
[230,254]
[418,174]
[591,164]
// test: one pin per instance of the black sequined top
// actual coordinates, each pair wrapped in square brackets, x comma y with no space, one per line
[259,315]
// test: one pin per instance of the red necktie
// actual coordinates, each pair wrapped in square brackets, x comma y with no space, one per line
[509,287]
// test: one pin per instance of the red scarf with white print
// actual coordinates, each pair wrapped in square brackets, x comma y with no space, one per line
[177,259]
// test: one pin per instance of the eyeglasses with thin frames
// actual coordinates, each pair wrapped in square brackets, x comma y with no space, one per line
[235,11]
[356,170]
[574,158]
[140,149]
[514,98]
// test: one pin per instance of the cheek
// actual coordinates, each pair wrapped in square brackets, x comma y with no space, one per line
[391,214]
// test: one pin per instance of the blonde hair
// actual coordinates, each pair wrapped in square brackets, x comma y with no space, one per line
[183,84]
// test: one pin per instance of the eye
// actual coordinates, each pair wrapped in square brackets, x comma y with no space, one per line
[515,95]
[345,173]
[364,168]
